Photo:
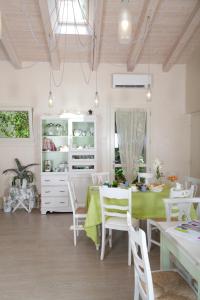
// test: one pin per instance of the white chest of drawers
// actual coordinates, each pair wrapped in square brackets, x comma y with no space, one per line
[54,193]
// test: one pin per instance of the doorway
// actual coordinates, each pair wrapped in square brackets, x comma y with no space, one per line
[144,160]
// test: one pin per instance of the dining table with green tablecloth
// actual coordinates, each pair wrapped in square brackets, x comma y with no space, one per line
[145,205]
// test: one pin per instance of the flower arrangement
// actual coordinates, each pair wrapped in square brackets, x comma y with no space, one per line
[172,178]
[157,167]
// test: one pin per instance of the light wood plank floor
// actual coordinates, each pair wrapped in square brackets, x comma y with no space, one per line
[39,262]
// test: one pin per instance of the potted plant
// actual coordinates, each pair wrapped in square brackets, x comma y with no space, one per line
[22,173]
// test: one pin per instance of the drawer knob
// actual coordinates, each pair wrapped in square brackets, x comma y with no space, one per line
[47,180]
[47,202]
[62,202]
[46,192]
[62,191]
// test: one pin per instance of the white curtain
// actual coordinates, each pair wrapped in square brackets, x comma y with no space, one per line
[131,127]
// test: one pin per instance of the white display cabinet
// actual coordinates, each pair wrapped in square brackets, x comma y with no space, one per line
[68,150]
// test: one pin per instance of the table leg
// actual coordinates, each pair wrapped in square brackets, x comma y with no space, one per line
[165,263]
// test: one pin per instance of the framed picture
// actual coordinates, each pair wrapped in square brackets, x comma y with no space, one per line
[16,123]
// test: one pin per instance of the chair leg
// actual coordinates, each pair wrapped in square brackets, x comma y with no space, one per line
[75,237]
[110,238]
[99,236]
[149,231]
[103,242]
[77,231]
[136,290]
[129,252]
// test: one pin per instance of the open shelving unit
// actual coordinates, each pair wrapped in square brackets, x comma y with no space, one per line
[68,150]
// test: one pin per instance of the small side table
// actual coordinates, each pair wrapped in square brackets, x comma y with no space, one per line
[22,197]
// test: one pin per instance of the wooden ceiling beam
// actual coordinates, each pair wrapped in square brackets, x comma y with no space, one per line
[149,11]
[190,27]
[96,41]
[50,36]
[8,45]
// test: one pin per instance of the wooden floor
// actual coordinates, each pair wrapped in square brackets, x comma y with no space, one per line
[39,262]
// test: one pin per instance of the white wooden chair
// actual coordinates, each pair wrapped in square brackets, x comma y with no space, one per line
[79,213]
[114,214]
[191,181]
[174,193]
[183,206]
[149,285]
[146,176]
[100,178]
[151,223]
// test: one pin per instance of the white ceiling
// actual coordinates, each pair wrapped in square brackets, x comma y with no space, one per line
[173,36]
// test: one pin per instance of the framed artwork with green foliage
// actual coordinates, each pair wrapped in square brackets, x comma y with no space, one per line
[16,123]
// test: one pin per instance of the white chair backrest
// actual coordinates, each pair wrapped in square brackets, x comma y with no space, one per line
[100,178]
[110,200]
[142,270]
[72,196]
[182,193]
[146,176]
[183,205]
[193,181]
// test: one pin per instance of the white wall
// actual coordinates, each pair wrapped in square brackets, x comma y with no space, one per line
[193,83]
[193,107]
[170,127]
[195,146]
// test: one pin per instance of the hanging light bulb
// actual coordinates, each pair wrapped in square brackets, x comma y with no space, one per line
[125,25]
[96,97]
[50,100]
[148,93]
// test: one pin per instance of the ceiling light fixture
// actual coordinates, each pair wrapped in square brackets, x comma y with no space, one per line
[148,91]
[125,24]
[50,99]
[96,97]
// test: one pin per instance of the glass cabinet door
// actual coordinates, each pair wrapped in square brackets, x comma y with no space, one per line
[55,146]
[83,135]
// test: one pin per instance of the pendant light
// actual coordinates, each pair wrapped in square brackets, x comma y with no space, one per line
[125,24]
[50,99]
[148,91]
[96,97]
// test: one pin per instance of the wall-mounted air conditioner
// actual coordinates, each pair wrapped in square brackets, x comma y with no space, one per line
[131,80]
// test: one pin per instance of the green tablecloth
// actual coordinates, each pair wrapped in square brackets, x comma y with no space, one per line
[145,205]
